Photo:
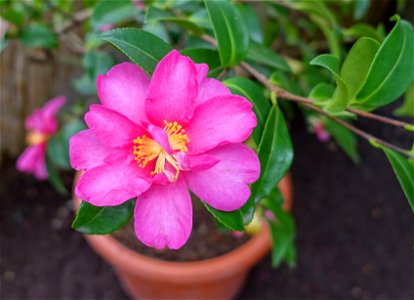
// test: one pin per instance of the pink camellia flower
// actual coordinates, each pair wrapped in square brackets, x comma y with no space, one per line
[153,139]
[41,124]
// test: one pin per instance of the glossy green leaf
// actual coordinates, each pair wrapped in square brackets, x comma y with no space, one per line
[232,220]
[102,220]
[407,109]
[275,154]
[38,36]
[340,98]
[345,138]
[208,56]
[391,71]
[264,55]
[143,48]
[363,30]
[357,63]
[155,14]
[230,31]
[13,16]
[404,170]
[252,21]
[251,91]
[112,12]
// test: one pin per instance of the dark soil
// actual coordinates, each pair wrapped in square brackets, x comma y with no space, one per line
[354,234]
[207,239]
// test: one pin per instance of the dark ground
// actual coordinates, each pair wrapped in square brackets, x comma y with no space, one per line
[355,234]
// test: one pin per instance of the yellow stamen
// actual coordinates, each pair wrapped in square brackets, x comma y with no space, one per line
[146,149]
[36,138]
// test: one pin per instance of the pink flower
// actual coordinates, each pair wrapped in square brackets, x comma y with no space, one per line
[153,139]
[139,4]
[106,27]
[41,124]
[321,133]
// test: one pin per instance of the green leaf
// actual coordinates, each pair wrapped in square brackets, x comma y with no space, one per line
[230,31]
[404,170]
[340,98]
[251,91]
[156,15]
[38,36]
[264,55]
[285,82]
[282,229]
[363,30]
[53,176]
[357,63]
[275,154]
[94,63]
[232,220]
[112,12]
[407,109]
[391,71]
[345,138]
[322,92]
[143,48]
[208,56]
[252,21]
[13,16]
[102,220]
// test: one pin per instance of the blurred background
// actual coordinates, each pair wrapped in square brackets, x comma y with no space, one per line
[354,225]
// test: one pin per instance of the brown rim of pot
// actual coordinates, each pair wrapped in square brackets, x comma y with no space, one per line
[234,261]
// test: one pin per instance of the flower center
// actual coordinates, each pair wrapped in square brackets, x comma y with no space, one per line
[36,138]
[146,150]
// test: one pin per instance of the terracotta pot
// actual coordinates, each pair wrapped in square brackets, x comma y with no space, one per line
[217,278]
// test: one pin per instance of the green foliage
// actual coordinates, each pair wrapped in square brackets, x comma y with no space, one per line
[143,48]
[38,36]
[156,15]
[251,91]
[345,138]
[363,30]
[264,55]
[102,220]
[357,63]
[341,96]
[407,109]
[282,229]
[207,56]
[391,71]
[94,63]
[112,12]
[404,170]
[252,22]
[275,154]
[232,220]
[230,31]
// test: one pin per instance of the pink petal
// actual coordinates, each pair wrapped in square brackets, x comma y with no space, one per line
[195,162]
[86,151]
[208,88]
[163,216]
[113,129]
[225,185]
[32,160]
[123,89]
[172,90]
[112,184]
[222,120]
[44,119]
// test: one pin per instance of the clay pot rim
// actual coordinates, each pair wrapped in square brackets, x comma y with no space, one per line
[241,258]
